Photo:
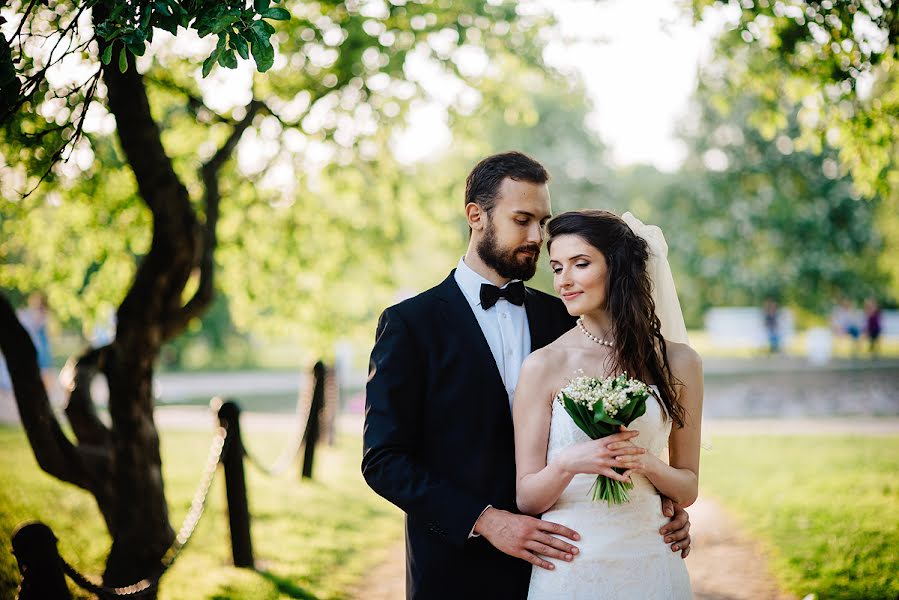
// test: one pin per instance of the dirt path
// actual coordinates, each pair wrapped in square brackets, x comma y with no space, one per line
[724,564]
[387,581]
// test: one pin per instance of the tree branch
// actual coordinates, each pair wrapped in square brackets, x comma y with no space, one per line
[194,102]
[80,409]
[209,174]
[54,452]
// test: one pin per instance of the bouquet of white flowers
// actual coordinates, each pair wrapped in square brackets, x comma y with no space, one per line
[599,407]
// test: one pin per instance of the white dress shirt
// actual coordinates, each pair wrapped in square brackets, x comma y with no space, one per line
[505,326]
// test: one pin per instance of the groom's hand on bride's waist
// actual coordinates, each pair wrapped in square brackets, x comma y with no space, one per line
[677,530]
[525,537]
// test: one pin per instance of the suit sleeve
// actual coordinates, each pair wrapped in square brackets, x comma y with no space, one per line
[394,426]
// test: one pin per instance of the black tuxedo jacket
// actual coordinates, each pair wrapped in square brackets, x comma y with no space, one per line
[438,438]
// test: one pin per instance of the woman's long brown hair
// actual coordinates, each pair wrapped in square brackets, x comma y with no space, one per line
[639,349]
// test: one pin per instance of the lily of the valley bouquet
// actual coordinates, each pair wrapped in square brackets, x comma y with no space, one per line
[599,406]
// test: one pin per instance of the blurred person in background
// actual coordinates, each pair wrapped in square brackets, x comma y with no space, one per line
[846,320]
[34,318]
[873,325]
[772,325]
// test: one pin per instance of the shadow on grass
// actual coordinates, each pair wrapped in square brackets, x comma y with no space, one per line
[287,587]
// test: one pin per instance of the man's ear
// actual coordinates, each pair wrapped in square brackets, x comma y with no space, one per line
[476,216]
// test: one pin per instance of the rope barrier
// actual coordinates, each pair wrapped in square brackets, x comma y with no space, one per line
[292,450]
[283,462]
[43,541]
[188,526]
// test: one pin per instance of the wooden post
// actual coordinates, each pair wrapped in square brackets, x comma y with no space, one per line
[331,406]
[312,424]
[34,546]
[236,486]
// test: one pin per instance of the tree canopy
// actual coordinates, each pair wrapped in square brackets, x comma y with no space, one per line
[313,195]
[834,62]
[826,75]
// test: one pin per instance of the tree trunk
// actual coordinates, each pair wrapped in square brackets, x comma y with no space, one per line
[120,465]
[136,511]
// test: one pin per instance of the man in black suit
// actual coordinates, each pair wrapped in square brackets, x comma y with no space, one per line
[438,438]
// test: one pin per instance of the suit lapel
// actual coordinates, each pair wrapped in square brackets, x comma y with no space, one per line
[458,316]
[540,334]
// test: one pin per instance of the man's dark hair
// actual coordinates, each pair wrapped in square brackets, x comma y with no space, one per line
[482,185]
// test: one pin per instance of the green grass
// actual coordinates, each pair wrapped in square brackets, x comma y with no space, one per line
[824,507]
[310,539]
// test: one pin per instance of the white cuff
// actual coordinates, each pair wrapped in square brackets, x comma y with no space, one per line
[473,534]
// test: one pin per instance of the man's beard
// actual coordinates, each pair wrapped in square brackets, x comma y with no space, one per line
[505,262]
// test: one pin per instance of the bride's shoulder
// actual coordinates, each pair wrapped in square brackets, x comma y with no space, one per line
[550,359]
[683,358]
[544,360]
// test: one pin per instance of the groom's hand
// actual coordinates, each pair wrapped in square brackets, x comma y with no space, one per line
[677,530]
[525,537]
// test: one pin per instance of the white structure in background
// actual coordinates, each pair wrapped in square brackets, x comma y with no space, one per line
[889,323]
[818,345]
[744,327]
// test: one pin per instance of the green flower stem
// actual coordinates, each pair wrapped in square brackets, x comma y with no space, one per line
[611,491]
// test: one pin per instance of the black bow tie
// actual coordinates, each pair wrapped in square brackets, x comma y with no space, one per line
[490,294]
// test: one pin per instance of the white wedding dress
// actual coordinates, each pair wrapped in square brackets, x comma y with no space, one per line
[622,555]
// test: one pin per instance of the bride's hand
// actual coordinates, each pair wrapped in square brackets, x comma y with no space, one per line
[641,463]
[598,457]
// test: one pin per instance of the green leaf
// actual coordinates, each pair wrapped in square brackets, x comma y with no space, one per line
[203,25]
[572,409]
[638,412]
[263,28]
[116,11]
[178,10]
[597,418]
[136,49]
[228,60]
[237,41]
[169,24]
[223,22]
[260,5]
[209,63]
[633,410]
[262,50]
[145,22]
[123,60]
[276,14]
[107,55]
[214,57]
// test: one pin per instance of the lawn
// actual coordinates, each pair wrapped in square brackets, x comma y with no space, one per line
[824,507]
[312,540]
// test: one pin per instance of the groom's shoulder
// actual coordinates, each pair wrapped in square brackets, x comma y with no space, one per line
[544,299]
[420,303]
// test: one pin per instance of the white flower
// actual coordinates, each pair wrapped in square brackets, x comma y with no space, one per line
[613,393]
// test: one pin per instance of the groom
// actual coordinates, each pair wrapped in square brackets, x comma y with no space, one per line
[438,438]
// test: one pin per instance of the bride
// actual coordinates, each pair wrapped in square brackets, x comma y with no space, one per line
[613,272]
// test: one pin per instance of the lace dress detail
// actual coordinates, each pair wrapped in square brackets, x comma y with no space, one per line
[622,555]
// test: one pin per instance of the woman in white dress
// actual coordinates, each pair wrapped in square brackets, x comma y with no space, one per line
[615,275]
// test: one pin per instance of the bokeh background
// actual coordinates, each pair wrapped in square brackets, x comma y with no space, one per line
[761,135]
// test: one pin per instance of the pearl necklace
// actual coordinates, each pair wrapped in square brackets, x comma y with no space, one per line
[600,341]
